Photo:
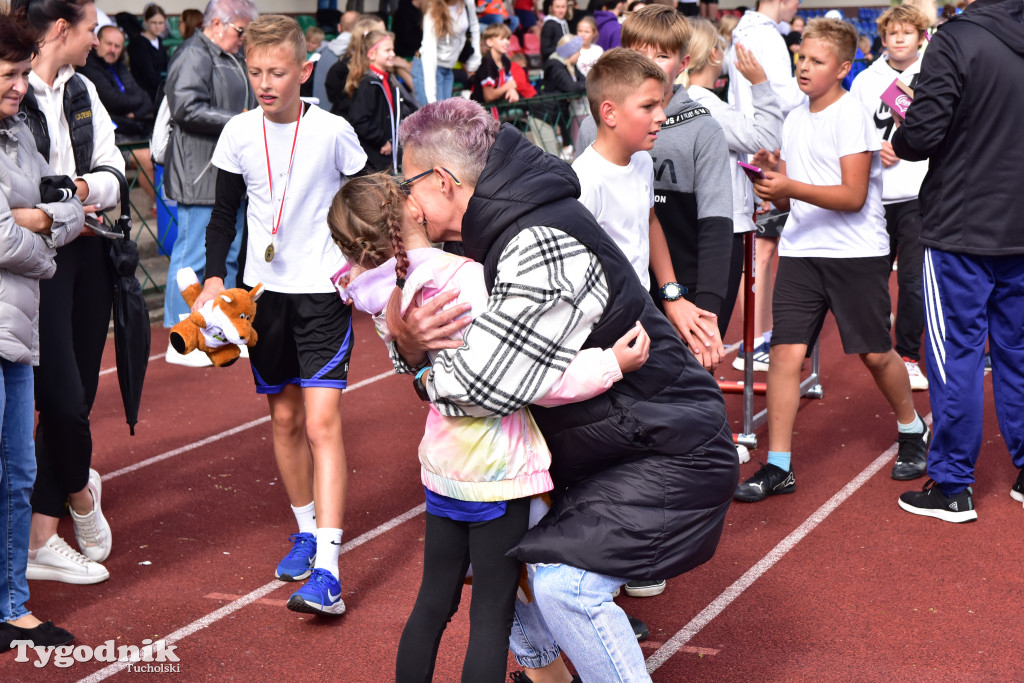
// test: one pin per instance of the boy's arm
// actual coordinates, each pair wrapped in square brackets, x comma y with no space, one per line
[850,195]
[695,326]
[937,95]
[230,190]
[713,191]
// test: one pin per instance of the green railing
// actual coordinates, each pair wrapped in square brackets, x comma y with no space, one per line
[549,121]
[143,222]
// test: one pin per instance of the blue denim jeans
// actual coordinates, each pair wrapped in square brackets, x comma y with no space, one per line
[17,475]
[573,612]
[445,82]
[189,251]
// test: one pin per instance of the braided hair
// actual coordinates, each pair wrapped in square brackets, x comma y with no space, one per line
[365,220]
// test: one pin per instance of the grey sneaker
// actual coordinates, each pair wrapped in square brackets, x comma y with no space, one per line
[92,530]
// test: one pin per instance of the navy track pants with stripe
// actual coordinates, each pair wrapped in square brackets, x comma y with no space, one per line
[969,299]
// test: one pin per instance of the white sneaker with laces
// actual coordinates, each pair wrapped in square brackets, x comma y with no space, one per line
[92,530]
[918,381]
[57,561]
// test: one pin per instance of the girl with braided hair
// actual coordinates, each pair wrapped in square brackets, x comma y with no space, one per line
[479,473]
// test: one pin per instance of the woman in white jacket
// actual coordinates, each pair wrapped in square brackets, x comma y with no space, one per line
[445,23]
[743,134]
[30,230]
[73,131]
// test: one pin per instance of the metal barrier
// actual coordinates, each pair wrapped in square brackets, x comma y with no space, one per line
[146,222]
[549,121]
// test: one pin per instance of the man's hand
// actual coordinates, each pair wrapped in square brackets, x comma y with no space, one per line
[699,329]
[211,288]
[773,187]
[426,327]
[889,157]
[633,357]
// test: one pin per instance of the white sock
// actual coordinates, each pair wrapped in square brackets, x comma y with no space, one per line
[306,517]
[915,427]
[328,547]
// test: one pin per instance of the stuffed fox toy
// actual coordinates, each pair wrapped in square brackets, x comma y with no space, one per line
[220,326]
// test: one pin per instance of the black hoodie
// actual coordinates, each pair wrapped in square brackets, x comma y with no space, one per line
[965,120]
[643,473]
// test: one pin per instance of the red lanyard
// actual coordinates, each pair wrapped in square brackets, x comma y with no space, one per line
[270,176]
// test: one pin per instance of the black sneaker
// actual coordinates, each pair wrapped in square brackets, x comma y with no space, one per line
[932,502]
[1017,492]
[640,629]
[645,589]
[912,458]
[768,481]
[45,634]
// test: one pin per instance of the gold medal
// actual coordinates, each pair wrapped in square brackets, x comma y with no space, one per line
[268,255]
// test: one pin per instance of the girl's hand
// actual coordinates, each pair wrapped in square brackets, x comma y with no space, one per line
[211,288]
[748,65]
[633,357]
[774,187]
[386,149]
[767,161]
[33,220]
[512,96]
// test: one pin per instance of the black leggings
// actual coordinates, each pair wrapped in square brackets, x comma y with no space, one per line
[449,547]
[74,315]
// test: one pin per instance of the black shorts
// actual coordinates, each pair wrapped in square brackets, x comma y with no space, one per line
[304,339]
[856,290]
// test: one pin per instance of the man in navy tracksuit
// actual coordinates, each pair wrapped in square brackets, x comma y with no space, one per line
[964,119]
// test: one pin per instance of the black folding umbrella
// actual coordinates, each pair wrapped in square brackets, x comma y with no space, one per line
[131,317]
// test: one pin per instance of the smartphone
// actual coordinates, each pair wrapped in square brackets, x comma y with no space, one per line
[102,230]
[753,172]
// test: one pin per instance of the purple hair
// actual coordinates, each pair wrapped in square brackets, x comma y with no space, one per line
[455,133]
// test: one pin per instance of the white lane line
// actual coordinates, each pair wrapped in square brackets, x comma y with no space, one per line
[718,605]
[223,435]
[215,616]
[114,369]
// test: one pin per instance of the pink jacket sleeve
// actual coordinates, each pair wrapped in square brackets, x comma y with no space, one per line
[591,372]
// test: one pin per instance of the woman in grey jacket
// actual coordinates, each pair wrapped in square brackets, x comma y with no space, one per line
[30,231]
[206,85]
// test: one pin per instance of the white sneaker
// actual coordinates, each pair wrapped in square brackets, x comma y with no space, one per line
[742,453]
[761,356]
[92,530]
[195,359]
[57,561]
[918,381]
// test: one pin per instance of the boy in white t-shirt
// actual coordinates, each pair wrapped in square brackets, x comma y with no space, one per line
[305,331]
[833,252]
[616,172]
[902,29]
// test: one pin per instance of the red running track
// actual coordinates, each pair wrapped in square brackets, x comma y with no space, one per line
[834,582]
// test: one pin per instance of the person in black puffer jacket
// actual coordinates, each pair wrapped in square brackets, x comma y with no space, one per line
[643,473]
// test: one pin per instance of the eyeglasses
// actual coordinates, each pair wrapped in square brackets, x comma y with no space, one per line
[405,185]
[239,31]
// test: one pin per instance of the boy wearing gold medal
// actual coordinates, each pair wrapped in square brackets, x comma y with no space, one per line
[305,331]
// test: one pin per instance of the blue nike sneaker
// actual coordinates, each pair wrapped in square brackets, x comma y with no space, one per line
[320,595]
[298,563]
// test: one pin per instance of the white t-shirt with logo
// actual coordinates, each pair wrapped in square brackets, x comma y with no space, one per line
[812,145]
[326,149]
[621,197]
[901,181]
